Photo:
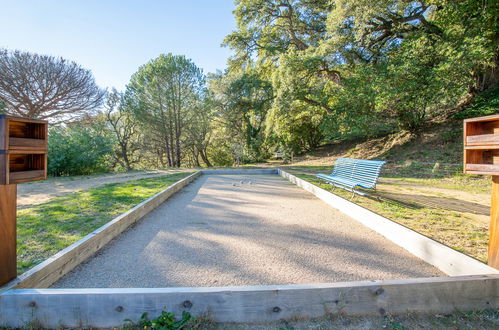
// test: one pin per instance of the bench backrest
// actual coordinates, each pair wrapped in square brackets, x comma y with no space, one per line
[365,172]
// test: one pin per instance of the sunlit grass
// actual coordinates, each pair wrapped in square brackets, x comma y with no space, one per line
[44,229]
[451,228]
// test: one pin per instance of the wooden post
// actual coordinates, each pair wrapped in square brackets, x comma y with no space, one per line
[493,259]
[8,256]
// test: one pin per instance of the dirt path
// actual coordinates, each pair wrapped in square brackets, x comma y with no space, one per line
[245,230]
[42,191]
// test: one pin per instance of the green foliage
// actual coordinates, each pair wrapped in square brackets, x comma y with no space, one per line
[79,148]
[242,99]
[44,229]
[166,321]
[164,96]
[484,104]
[363,68]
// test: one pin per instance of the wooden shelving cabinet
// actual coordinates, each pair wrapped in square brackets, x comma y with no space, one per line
[23,150]
[481,145]
[23,158]
[481,156]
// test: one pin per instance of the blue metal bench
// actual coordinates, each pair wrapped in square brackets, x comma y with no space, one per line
[349,173]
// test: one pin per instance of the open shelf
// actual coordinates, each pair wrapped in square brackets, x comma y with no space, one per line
[22,167]
[24,135]
[481,145]
[483,161]
[481,131]
[26,162]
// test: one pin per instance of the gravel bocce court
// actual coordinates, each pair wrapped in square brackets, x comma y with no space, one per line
[229,230]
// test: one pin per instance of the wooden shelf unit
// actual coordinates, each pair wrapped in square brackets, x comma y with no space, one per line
[23,158]
[481,145]
[23,134]
[23,150]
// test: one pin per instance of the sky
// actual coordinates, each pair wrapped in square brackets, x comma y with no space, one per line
[112,38]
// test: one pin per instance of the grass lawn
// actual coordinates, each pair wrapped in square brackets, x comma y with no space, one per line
[45,229]
[458,230]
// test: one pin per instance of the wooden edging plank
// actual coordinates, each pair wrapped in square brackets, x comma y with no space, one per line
[446,259]
[52,269]
[248,171]
[54,308]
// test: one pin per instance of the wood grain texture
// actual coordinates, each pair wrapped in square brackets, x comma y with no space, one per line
[27,144]
[242,171]
[490,168]
[4,133]
[482,119]
[484,139]
[8,256]
[493,255]
[52,269]
[26,176]
[107,308]
[4,167]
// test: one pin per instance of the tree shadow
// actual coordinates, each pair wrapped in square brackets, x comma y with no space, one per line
[215,234]
[417,201]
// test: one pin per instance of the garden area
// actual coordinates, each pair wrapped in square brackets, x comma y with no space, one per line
[207,178]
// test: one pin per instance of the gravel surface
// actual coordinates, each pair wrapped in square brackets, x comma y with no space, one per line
[225,230]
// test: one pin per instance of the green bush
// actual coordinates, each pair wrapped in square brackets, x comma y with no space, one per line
[484,104]
[79,150]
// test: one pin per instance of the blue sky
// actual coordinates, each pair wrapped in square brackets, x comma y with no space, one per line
[114,37]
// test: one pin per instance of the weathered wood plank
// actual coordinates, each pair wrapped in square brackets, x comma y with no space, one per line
[493,252]
[53,308]
[27,176]
[446,259]
[484,139]
[27,144]
[242,171]
[52,269]
[483,168]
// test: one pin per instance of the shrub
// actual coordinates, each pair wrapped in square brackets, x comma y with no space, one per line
[79,150]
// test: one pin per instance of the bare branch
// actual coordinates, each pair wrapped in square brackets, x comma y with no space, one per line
[46,87]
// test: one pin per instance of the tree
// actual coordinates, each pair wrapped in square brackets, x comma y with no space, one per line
[268,28]
[125,129]
[242,100]
[164,95]
[46,87]
[348,66]
[199,132]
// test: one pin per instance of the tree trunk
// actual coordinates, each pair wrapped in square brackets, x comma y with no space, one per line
[167,152]
[204,157]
